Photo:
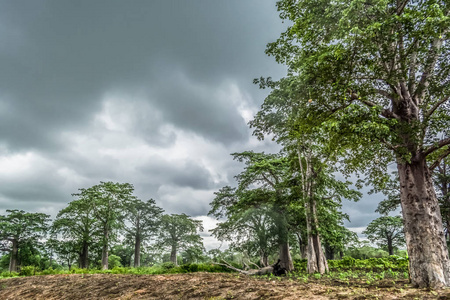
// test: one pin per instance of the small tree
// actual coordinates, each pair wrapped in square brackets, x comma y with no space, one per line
[19,227]
[387,232]
[179,232]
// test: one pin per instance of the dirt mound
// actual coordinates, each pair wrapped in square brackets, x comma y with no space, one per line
[196,286]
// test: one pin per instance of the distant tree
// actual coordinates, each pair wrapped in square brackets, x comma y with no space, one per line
[108,201]
[246,227]
[179,232]
[194,254]
[64,249]
[387,232]
[144,219]
[20,227]
[264,183]
[123,250]
[77,224]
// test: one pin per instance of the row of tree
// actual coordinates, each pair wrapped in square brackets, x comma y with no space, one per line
[99,216]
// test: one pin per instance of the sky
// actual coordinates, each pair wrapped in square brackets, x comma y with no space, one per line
[153,93]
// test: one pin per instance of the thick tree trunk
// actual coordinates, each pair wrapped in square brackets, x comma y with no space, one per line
[285,257]
[13,258]
[84,263]
[317,262]
[105,251]
[428,255]
[137,251]
[173,255]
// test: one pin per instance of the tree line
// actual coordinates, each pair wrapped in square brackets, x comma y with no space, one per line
[88,227]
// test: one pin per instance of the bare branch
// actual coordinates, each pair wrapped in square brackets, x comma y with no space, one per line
[436,106]
[401,6]
[385,94]
[439,159]
[436,146]
[432,60]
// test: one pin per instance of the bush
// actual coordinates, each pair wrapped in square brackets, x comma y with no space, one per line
[114,261]
[27,271]
[7,274]
[120,270]
[300,265]
[168,265]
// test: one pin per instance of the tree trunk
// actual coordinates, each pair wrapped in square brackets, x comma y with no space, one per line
[317,262]
[263,259]
[84,263]
[285,257]
[13,258]
[173,255]
[425,241]
[390,248]
[105,251]
[137,251]
[302,245]
[329,252]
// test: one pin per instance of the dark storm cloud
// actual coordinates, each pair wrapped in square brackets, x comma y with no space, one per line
[154,93]
[65,54]
[181,174]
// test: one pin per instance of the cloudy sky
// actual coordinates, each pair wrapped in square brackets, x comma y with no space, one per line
[154,93]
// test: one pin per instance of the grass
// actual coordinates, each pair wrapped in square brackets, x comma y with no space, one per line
[345,271]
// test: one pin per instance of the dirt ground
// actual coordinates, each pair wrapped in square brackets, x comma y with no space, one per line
[200,286]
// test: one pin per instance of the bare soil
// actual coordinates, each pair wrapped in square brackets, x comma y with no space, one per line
[201,286]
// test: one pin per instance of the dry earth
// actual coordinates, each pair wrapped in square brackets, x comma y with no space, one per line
[200,286]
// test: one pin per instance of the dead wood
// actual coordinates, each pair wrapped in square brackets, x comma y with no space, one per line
[274,269]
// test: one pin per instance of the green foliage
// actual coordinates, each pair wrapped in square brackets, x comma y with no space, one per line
[377,265]
[143,219]
[114,261]
[179,232]
[27,270]
[7,274]
[387,231]
[20,230]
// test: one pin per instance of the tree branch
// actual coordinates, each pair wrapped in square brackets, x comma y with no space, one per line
[439,159]
[432,60]
[401,7]
[436,146]
[436,106]
[385,112]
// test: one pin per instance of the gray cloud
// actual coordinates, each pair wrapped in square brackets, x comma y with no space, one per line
[155,93]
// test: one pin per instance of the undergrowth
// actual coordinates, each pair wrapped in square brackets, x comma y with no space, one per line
[345,270]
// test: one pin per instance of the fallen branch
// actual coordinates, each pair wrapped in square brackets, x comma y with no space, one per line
[274,269]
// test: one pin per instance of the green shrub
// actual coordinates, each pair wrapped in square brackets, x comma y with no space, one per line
[300,265]
[168,265]
[49,271]
[27,270]
[114,261]
[120,270]
[6,274]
